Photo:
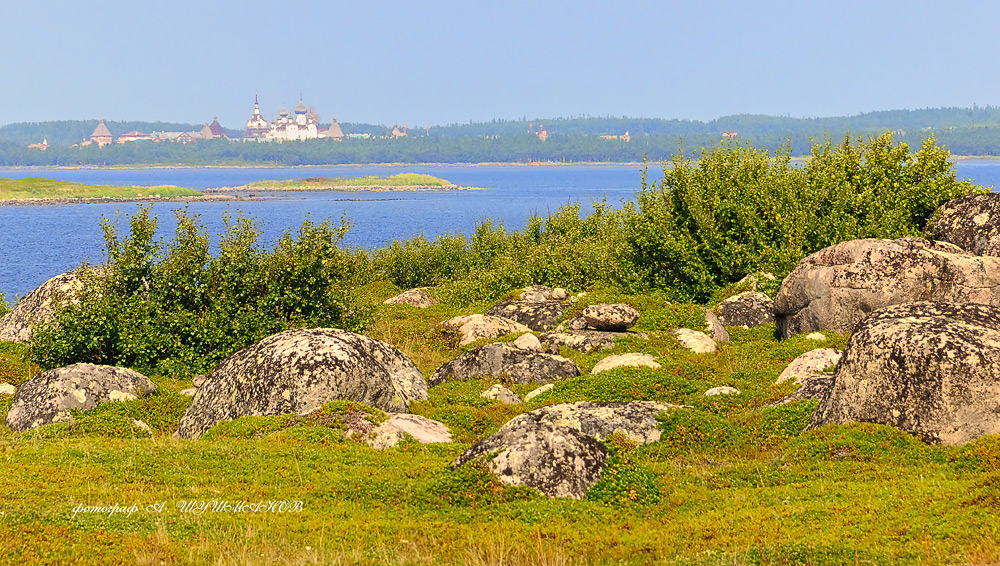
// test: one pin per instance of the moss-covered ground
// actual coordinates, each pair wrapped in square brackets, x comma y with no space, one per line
[409,181]
[37,187]
[732,482]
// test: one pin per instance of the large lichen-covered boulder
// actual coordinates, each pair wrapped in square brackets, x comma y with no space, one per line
[834,288]
[506,361]
[49,396]
[536,315]
[297,371]
[558,449]
[749,310]
[606,317]
[931,369]
[38,306]
[971,222]
[478,327]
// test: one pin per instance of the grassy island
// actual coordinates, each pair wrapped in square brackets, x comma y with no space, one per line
[399,182]
[733,480]
[41,188]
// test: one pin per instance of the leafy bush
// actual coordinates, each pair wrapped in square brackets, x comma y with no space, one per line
[738,210]
[176,310]
[475,485]
[4,307]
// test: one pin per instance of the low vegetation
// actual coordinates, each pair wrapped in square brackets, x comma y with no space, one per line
[39,188]
[407,180]
[734,480]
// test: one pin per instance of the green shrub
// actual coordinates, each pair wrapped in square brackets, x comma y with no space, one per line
[474,485]
[4,307]
[176,310]
[738,210]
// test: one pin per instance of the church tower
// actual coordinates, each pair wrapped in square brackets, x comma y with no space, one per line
[256,126]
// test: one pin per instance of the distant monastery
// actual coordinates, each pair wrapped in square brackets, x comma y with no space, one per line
[304,125]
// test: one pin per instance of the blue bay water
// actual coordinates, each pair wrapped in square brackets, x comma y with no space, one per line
[39,242]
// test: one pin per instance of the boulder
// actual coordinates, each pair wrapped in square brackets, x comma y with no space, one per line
[749,310]
[755,281]
[971,222]
[930,369]
[697,342]
[809,364]
[724,390]
[414,297]
[49,396]
[609,318]
[142,426]
[38,306]
[626,360]
[536,392]
[715,328]
[189,392]
[478,327]
[558,449]
[297,371]
[528,342]
[503,360]
[7,389]
[581,341]
[817,336]
[837,286]
[423,430]
[815,386]
[536,315]
[541,293]
[500,393]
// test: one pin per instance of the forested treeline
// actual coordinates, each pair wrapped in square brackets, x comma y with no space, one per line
[963,131]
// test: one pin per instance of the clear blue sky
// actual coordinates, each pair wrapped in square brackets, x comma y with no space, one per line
[421,62]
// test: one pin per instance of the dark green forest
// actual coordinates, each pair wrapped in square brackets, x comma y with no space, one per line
[963,131]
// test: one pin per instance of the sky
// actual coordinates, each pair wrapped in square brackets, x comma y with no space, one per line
[424,63]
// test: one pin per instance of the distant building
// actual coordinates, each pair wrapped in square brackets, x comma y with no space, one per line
[213,130]
[42,146]
[133,136]
[176,137]
[396,133]
[101,135]
[333,132]
[257,127]
[729,135]
[624,137]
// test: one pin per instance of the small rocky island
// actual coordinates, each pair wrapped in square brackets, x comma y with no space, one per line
[399,182]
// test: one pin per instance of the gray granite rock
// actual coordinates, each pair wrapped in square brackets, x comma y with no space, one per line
[506,361]
[297,371]
[49,396]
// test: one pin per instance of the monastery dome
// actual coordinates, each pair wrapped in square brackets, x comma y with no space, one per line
[301,109]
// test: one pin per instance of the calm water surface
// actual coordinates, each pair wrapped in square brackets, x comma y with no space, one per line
[42,241]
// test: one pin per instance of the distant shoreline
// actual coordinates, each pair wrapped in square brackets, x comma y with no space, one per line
[953,159]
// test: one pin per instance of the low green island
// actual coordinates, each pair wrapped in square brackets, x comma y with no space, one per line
[399,182]
[38,188]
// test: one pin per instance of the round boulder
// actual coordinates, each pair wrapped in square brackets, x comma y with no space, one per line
[971,222]
[931,369]
[809,364]
[38,306]
[297,371]
[507,361]
[536,315]
[837,286]
[557,449]
[49,396]
[626,360]
[611,318]
[697,342]
[478,327]
[749,310]
[414,297]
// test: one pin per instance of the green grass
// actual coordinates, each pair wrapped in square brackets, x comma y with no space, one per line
[401,180]
[732,482]
[38,187]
